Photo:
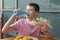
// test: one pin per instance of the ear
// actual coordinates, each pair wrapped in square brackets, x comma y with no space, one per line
[36,13]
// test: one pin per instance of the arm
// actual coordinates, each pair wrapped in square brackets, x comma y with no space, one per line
[48,34]
[6,27]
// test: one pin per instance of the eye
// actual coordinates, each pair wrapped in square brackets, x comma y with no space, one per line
[31,10]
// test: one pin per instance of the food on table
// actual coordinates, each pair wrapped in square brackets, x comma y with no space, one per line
[25,38]
[18,37]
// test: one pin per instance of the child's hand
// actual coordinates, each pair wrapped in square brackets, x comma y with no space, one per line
[19,17]
[43,26]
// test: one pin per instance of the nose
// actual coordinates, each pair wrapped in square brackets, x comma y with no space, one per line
[27,13]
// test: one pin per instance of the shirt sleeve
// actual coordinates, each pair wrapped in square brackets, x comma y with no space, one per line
[15,25]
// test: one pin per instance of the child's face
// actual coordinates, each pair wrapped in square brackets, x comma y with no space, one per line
[31,11]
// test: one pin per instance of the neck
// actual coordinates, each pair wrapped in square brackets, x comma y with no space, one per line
[30,19]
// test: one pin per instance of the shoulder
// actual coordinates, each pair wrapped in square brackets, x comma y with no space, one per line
[22,19]
[19,21]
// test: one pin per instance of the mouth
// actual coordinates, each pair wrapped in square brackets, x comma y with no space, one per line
[27,14]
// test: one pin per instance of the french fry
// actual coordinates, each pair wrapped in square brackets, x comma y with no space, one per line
[25,38]
[18,38]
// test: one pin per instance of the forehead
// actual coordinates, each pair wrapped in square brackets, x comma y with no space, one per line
[30,7]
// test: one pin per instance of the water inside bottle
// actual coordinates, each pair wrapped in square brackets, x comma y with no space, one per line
[20,13]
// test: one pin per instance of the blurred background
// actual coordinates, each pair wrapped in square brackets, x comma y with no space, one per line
[49,9]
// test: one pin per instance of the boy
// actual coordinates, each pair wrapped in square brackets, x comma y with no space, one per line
[23,27]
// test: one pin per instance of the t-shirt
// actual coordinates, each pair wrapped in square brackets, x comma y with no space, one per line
[25,29]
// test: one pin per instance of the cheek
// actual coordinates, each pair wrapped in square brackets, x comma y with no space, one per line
[30,12]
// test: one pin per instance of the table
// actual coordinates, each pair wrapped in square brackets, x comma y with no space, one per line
[39,38]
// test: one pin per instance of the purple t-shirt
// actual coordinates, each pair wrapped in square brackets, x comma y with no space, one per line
[25,29]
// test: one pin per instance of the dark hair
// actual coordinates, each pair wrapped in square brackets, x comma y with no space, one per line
[36,6]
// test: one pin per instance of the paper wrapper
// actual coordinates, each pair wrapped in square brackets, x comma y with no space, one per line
[39,20]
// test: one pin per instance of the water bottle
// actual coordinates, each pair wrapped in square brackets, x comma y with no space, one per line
[22,13]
